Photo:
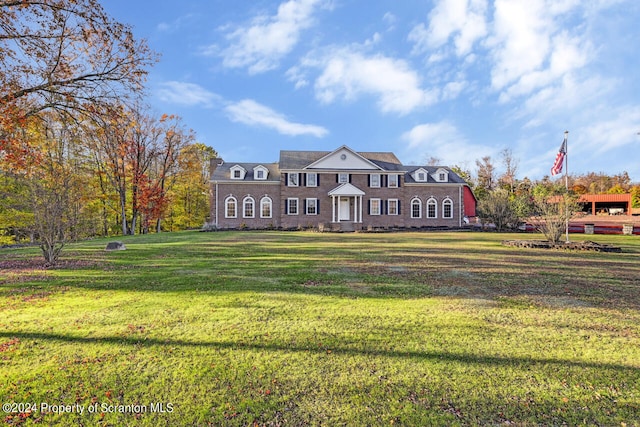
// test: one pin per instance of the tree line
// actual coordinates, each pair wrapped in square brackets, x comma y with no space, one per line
[81,155]
[506,200]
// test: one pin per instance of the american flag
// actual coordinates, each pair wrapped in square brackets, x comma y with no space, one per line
[557,165]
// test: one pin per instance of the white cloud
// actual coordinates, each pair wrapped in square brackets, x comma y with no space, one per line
[189,94]
[453,89]
[347,74]
[390,19]
[530,49]
[443,141]
[254,114]
[261,45]
[617,130]
[175,25]
[464,20]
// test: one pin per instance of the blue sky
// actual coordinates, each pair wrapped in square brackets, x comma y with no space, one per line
[451,79]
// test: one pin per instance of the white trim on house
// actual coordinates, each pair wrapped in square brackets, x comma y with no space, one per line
[266,201]
[431,202]
[394,193]
[441,175]
[260,170]
[238,172]
[415,201]
[248,202]
[420,175]
[228,201]
[344,158]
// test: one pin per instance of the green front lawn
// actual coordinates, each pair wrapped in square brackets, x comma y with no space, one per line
[301,328]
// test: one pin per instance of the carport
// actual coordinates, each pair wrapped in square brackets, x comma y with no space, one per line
[606,204]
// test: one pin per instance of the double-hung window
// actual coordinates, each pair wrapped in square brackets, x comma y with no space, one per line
[374,207]
[248,206]
[265,207]
[432,208]
[293,179]
[312,180]
[392,181]
[416,208]
[392,207]
[374,180]
[292,206]
[231,207]
[311,207]
[447,208]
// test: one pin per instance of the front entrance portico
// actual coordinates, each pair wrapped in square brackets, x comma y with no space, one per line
[346,200]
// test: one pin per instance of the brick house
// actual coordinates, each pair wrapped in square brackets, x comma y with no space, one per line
[337,190]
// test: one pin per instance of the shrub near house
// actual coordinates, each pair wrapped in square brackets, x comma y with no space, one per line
[340,190]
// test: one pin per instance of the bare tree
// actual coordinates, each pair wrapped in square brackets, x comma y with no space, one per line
[552,214]
[486,179]
[55,184]
[433,161]
[509,177]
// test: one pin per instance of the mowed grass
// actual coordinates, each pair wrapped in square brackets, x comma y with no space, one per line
[301,328]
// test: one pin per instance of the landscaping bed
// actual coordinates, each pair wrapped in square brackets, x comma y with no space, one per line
[573,246]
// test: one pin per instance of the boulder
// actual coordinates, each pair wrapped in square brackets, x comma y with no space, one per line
[115,246]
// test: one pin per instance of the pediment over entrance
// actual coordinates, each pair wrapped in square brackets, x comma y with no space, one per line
[346,190]
[344,158]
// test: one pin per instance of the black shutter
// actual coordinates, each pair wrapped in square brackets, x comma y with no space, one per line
[349,178]
[318,206]
[304,206]
[369,180]
[369,207]
[286,179]
[385,207]
[399,213]
[383,181]
[318,179]
[337,177]
[304,180]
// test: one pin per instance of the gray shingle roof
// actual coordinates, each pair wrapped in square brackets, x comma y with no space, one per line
[290,159]
[297,160]
[223,172]
[453,177]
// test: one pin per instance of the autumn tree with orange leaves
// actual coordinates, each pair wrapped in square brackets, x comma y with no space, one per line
[64,55]
[136,157]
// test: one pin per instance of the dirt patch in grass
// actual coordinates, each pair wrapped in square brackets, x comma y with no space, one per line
[21,270]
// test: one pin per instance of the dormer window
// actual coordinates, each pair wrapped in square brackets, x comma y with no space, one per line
[441,175]
[260,173]
[238,172]
[421,175]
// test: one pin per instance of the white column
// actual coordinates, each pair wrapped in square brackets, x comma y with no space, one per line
[333,203]
[355,208]
[361,209]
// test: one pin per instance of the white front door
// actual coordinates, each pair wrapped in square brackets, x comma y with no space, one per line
[345,208]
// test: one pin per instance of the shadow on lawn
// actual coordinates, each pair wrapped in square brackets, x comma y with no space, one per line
[466,358]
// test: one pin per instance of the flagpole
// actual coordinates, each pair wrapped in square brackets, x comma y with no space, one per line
[566,181]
